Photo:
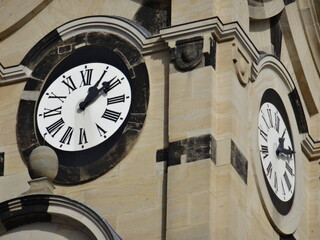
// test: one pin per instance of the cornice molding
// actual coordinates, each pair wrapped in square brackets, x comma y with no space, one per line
[220,31]
[310,147]
[125,28]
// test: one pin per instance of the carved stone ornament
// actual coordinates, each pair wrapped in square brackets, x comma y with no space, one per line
[188,53]
[241,63]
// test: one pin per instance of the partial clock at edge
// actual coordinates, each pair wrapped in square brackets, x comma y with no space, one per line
[90,110]
[277,155]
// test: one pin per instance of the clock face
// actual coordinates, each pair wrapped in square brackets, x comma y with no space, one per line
[277,154]
[89,103]
[83,107]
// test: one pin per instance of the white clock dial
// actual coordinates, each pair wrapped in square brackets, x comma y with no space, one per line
[67,126]
[276,152]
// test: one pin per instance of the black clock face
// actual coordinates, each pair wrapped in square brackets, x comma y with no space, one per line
[90,109]
[276,149]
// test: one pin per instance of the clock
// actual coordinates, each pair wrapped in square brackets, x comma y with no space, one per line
[83,107]
[277,155]
[86,98]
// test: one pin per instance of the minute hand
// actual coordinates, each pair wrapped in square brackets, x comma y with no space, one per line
[94,92]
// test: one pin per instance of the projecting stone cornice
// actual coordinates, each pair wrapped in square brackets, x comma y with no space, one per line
[220,31]
[120,26]
[310,147]
[14,14]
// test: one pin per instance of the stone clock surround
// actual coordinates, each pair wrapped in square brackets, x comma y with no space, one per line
[92,31]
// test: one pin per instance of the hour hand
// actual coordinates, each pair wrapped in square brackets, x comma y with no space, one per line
[93,92]
[282,150]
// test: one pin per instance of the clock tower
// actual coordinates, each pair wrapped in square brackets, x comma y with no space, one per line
[159,119]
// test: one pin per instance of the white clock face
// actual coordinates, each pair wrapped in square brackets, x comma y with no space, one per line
[84,106]
[276,152]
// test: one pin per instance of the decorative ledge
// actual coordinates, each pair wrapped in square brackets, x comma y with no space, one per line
[310,147]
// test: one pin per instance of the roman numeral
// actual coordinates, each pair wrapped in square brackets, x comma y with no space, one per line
[265,121]
[286,178]
[54,128]
[51,112]
[69,83]
[101,131]
[277,122]
[275,181]
[289,169]
[82,137]
[270,116]
[117,99]
[263,134]
[264,151]
[283,191]
[111,115]
[67,136]
[269,170]
[86,77]
[114,84]
[102,75]
[60,98]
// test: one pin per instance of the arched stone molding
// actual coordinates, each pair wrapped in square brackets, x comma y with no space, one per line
[33,208]
[265,9]
[269,61]
[120,26]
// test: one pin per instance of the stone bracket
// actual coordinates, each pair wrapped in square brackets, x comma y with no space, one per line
[188,53]
[242,64]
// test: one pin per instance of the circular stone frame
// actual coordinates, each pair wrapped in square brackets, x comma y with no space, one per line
[47,54]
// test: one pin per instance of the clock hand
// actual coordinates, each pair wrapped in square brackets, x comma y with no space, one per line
[93,93]
[283,150]
[106,85]
[288,152]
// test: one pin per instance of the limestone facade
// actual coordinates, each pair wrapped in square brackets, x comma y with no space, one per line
[194,171]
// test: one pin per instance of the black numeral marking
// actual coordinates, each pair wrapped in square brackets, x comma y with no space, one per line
[265,121]
[102,75]
[117,99]
[286,178]
[275,181]
[51,112]
[114,84]
[101,131]
[283,191]
[289,169]
[269,170]
[69,83]
[54,128]
[60,98]
[270,116]
[111,115]
[264,151]
[67,136]
[277,122]
[86,76]
[263,134]
[82,137]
